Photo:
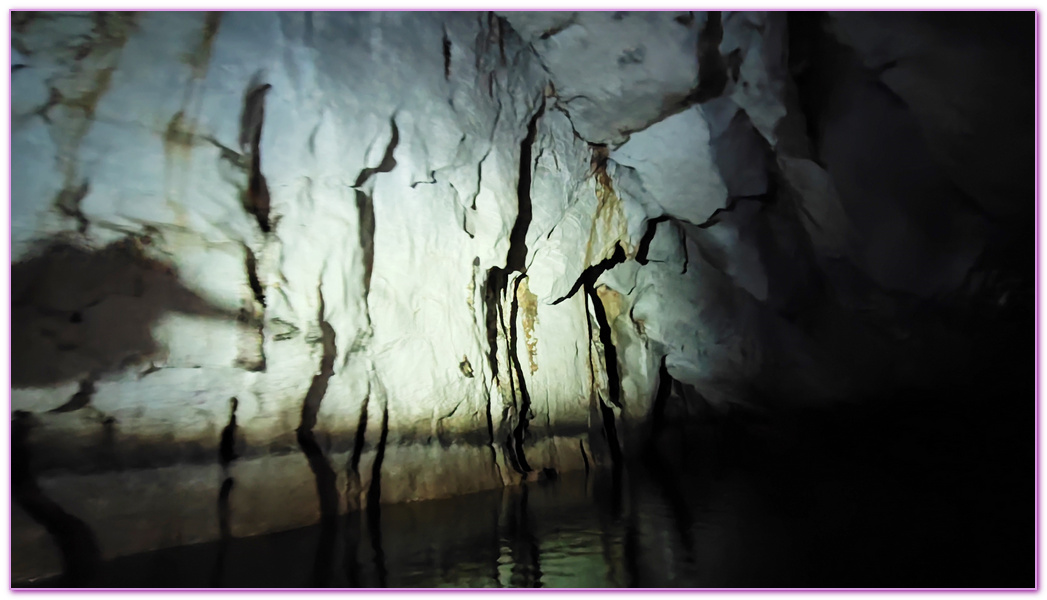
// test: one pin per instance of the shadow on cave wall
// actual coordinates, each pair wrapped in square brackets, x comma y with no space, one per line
[77,313]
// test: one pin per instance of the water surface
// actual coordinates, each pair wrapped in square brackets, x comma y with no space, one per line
[943,501]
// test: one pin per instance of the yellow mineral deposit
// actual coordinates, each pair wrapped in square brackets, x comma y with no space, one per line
[529,311]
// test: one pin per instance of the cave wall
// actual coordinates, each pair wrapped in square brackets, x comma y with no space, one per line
[271,267]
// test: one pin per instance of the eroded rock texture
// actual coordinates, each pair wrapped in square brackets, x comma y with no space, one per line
[303,263]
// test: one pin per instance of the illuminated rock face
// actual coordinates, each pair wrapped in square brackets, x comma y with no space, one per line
[304,262]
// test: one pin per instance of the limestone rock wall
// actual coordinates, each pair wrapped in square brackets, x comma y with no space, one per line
[271,267]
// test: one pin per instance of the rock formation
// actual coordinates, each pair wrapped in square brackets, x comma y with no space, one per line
[435,253]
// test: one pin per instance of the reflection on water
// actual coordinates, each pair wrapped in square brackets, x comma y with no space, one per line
[897,510]
[732,532]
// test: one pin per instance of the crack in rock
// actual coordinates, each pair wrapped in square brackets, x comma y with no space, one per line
[374,500]
[523,409]
[81,555]
[325,476]
[447,55]
[591,274]
[68,203]
[353,484]
[226,455]
[494,294]
[227,443]
[388,162]
[365,208]
[603,409]
[712,68]
[81,398]
[251,265]
[610,352]
[257,200]
[648,237]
